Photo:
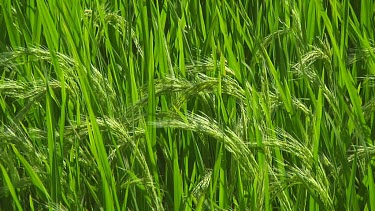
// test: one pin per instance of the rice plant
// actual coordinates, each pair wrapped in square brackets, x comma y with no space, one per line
[187,105]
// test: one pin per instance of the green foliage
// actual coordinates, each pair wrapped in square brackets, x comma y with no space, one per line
[187,105]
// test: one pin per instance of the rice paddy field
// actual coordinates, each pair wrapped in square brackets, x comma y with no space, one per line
[187,105]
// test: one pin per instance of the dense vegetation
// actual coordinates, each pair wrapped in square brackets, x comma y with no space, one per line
[187,105]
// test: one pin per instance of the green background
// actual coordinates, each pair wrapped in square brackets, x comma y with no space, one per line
[187,105]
